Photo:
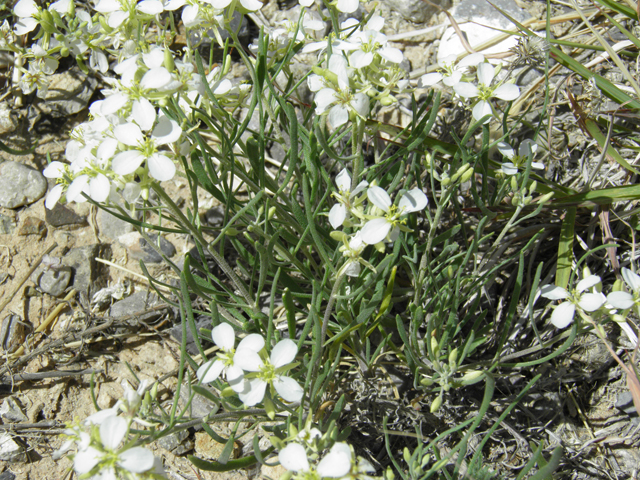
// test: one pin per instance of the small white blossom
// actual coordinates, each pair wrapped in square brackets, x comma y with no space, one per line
[564,313]
[527,148]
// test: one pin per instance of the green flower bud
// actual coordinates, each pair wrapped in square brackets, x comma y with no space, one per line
[437,403]
[339,236]
[47,22]
[434,346]
[453,358]
[533,186]
[64,52]
[232,232]
[406,455]
[514,183]
[445,180]
[426,382]
[169,64]
[388,100]
[545,198]
[471,377]
[271,213]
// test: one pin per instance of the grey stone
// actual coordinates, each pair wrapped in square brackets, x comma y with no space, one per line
[69,92]
[625,404]
[112,226]
[60,216]
[136,304]
[173,440]
[7,225]
[10,450]
[191,347]
[20,185]
[7,122]
[89,276]
[32,226]
[482,10]
[54,281]
[7,475]
[200,406]
[11,412]
[416,11]
[215,216]
[139,249]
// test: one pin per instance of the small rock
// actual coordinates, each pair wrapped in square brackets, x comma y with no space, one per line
[12,333]
[55,281]
[136,304]
[69,92]
[215,216]
[416,11]
[176,334]
[7,122]
[20,185]
[200,406]
[11,412]
[173,440]
[7,225]
[112,226]
[32,226]
[139,249]
[60,216]
[7,475]
[89,276]
[626,405]
[207,447]
[10,450]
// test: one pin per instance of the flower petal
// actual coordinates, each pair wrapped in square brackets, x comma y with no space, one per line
[590,302]
[466,90]
[210,371]
[294,458]
[413,201]
[631,279]
[337,215]
[590,281]
[248,360]
[288,388]
[235,377]
[85,460]
[622,300]
[112,431]
[375,231]
[508,92]
[379,197]
[253,342]
[563,314]
[224,336]
[99,188]
[161,167]
[255,394]
[486,72]
[337,463]
[283,353]
[136,460]
[552,292]
[127,162]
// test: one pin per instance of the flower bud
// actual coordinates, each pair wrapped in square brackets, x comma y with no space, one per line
[388,100]
[271,213]
[232,232]
[445,180]
[426,382]
[435,347]
[453,358]
[435,406]
[64,52]
[545,198]
[514,183]
[339,236]
[471,376]
[47,22]
[169,64]
[406,454]
[532,187]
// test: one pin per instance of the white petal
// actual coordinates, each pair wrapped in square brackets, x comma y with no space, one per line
[112,431]
[77,187]
[391,54]
[413,201]
[143,113]
[337,463]
[452,79]
[527,147]
[508,91]
[25,8]
[210,371]
[343,180]
[235,377]
[375,231]
[107,6]
[338,116]
[224,336]
[127,162]
[294,458]
[622,300]
[590,302]
[283,353]
[337,215]
[251,5]
[360,59]
[99,417]
[99,188]
[53,196]
[563,314]
[360,103]
[509,168]
[430,79]
[485,73]
[156,78]
[359,188]
[129,134]
[481,110]
[631,279]
[54,170]
[117,18]
[553,292]
[466,90]
[590,281]
[25,25]
[150,7]
[85,460]
[255,395]
[506,150]
[248,360]
[379,197]
[348,6]
[166,131]
[288,388]
[323,99]
[136,460]
[253,342]
[471,60]
[161,167]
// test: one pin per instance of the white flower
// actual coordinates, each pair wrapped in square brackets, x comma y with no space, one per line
[25,11]
[527,148]
[563,314]
[224,337]
[377,229]
[624,300]
[484,90]
[112,432]
[347,6]
[337,463]
[293,457]
[116,10]
[451,72]
[269,373]
[338,213]
[352,250]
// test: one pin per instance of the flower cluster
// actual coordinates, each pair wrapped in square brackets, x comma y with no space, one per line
[103,451]
[248,369]
[376,223]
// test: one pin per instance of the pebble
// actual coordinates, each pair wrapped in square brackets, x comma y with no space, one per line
[112,226]
[32,226]
[200,406]
[174,440]
[61,216]
[139,249]
[11,412]
[625,404]
[416,11]
[20,185]
[7,122]
[69,93]
[7,225]
[89,276]
[10,450]
[55,281]
[176,334]
[136,304]
[7,475]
